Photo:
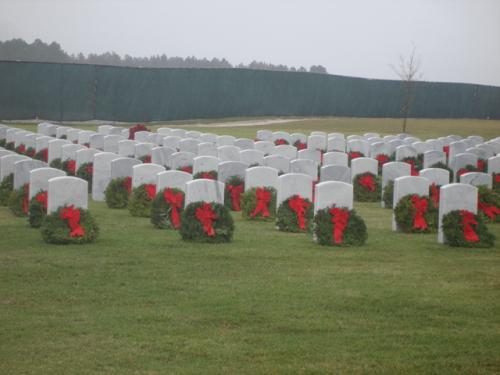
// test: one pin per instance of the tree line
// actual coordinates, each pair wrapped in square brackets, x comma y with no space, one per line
[18,49]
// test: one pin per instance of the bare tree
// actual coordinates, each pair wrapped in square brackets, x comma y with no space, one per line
[408,70]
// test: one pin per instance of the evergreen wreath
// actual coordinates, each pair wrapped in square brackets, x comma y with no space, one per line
[141,200]
[56,163]
[300,145]
[415,164]
[42,155]
[85,172]
[186,168]
[206,222]
[21,149]
[210,175]
[354,155]
[37,209]
[10,146]
[6,187]
[388,194]
[382,159]
[464,229]
[135,129]
[233,189]
[339,226]
[434,193]
[116,194]
[288,220]
[30,152]
[488,204]
[259,204]
[468,168]
[69,166]
[496,181]
[366,187]
[19,201]
[281,141]
[57,228]
[416,214]
[167,208]
[482,165]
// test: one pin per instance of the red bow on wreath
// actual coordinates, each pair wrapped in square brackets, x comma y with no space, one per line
[42,198]
[206,216]
[263,198]
[355,155]
[489,210]
[481,165]
[446,150]
[175,202]
[150,190]
[147,159]
[413,170]
[127,184]
[299,205]
[382,159]
[368,182]
[497,178]
[71,165]
[26,198]
[468,220]
[21,148]
[420,206]
[235,193]
[300,145]
[89,169]
[280,141]
[340,219]
[207,175]
[187,169]
[435,194]
[462,171]
[72,215]
[45,155]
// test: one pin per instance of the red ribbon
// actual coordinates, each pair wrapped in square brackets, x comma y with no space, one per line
[128,184]
[147,159]
[21,149]
[207,175]
[42,198]
[135,129]
[446,150]
[26,198]
[489,210]
[414,171]
[206,216]
[73,216]
[45,155]
[435,194]
[235,192]
[151,190]
[340,219]
[420,206]
[280,141]
[300,145]
[468,220]
[382,159]
[299,205]
[71,165]
[368,182]
[355,155]
[481,165]
[175,201]
[262,207]
[462,171]
[497,178]
[187,169]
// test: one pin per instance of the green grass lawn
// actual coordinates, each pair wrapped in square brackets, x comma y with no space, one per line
[141,301]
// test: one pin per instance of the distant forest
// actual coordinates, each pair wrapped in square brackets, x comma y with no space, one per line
[18,49]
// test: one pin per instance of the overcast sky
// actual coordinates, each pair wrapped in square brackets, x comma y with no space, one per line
[457,40]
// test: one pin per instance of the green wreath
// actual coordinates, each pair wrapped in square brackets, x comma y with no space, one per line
[31,152]
[56,163]
[468,168]
[388,194]
[362,193]
[404,214]
[56,230]
[6,187]
[249,204]
[416,161]
[355,233]
[84,172]
[489,198]
[21,149]
[65,167]
[16,201]
[453,230]
[161,211]
[36,212]
[10,146]
[192,229]
[116,193]
[287,221]
[3,142]
[139,202]
[233,181]
[41,155]
[213,175]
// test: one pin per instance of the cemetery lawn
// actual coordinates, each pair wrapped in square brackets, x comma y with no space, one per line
[142,301]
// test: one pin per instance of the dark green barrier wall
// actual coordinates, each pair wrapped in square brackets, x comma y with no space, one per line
[85,92]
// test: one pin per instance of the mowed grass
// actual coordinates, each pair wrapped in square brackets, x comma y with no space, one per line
[142,301]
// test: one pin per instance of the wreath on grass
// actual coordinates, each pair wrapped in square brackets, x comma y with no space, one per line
[85,172]
[141,200]
[3,142]
[259,203]
[339,226]
[135,129]
[117,192]
[300,145]
[382,159]
[388,194]
[37,209]
[146,159]
[464,229]
[206,222]
[209,175]
[496,181]
[167,209]
[69,225]
[30,152]
[19,201]
[42,155]
[233,189]
[69,166]
[21,149]
[6,187]
[415,164]
[295,214]
[468,168]
[416,214]
[56,163]
[281,141]
[488,204]
[366,187]
[10,146]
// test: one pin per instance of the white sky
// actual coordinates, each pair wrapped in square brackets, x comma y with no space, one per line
[457,40]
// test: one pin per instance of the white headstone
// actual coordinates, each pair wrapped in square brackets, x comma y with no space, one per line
[207,149]
[332,193]
[363,165]
[85,155]
[126,148]
[305,166]
[189,145]
[310,154]
[231,168]
[266,147]
[67,191]
[477,179]
[335,158]
[204,190]
[205,164]
[225,140]
[437,176]
[145,174]
[7,164]
[335,173]
[171,141]
[433,157]
[244,144]
[55,148]
[22,169]
[494,165]
[291,184]
[123,167]
[97,141]
[261,177]
[68,152]
[317,142]
[264,135]
[173,180]
[161,155]
[101,173]
[336,144]
[111,143]
[39,179]
[287,151]
[280,163]
[181,160]
[228,153]
[406,185]
[252,157]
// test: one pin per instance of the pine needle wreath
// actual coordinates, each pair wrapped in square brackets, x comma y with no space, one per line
[56,163]
[363,193]
[186,168]
[17,203]
[135,129]
[404,214]
[239,183]
[453,230]
[37,213]
[57,231]
[3,142]
[31,152]
[482,165]
[161,211]
[488,204]
[211,175]
[6,187]
[415,164]
[281,141]
[69,167]
[21,149]
[116,194]
[193,230]
[354,155]
[249,204]
[139,202]
[300,145]
[468,168]
[10,146]
[287,220]
[85,172]
[42,155]
[354,234]
[388,194]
